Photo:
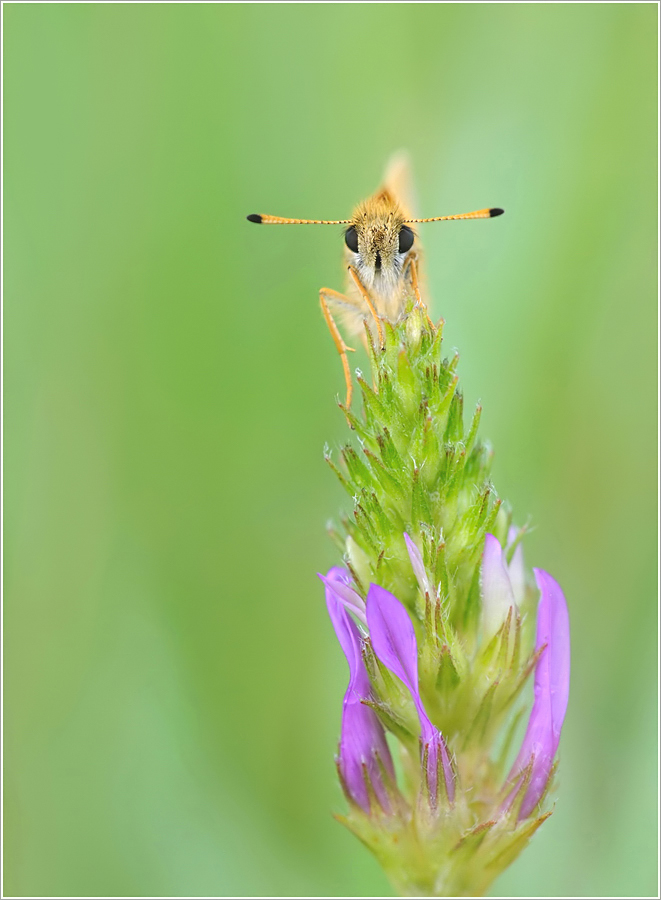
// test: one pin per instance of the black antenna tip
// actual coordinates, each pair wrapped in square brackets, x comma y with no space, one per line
[253,217]
[492,212]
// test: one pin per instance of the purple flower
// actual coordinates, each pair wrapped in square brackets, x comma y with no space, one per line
[339,581]
[542,736]
[419,567]
[393,639]
[497,589]
[363,747]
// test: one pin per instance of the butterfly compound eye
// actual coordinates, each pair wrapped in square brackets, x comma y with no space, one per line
[406,238]
[351,239]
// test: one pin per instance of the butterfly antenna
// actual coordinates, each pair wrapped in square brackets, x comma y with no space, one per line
[478,214]
[278,220]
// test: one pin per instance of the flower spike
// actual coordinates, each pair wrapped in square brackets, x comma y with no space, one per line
[434,610]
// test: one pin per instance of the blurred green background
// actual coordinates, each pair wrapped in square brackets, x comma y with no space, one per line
[173,686]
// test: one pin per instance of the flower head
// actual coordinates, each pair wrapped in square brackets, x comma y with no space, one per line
[438,644]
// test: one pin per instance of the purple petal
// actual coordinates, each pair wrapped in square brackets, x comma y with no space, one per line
[497,594]
[339,575]
[363,737]
[362,741]
[340,582]
[418,567]
[350,640]
[542,736]
[393,639]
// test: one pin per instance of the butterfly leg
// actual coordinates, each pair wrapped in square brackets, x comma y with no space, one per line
[363,293]
[412,265]
[326,294]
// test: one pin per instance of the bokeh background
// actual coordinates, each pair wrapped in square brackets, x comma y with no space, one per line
[172,685]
